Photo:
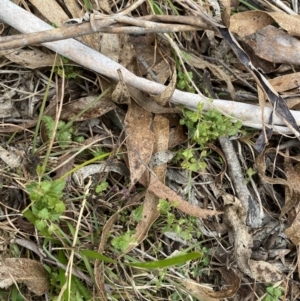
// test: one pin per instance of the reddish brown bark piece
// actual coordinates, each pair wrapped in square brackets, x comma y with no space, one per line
[164,192]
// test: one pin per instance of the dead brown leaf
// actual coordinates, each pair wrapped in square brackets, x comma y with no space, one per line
[205,294]
[30,58]
[232,280]
[274,45]
[293,232]
[140,140]
[200,63]
[285,82]
[288,22]
[291,185]
[177,132]
[166,95]
[27,271]
[120,49]
[150,211]
[247,23]
[196,289]
[265,272]
[292,192]
[51,11]
[166,193]
[148,104]
[152,61]
[73,108]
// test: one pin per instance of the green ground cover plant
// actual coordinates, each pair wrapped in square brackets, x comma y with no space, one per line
[273,293]
[204,127]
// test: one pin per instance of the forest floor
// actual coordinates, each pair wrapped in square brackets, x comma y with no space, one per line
[149,150]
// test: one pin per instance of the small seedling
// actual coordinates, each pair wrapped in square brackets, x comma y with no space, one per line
[101,187]
[64,135]
[46,204]
[122,242]
[190,160]
[67,71]
[185,228]
[184,82]
[250,173]
[205,127]
[273,293]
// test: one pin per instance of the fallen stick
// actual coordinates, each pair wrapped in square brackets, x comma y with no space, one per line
[82,29]
[26,22]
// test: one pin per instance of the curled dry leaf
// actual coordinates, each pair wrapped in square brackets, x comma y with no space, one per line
[291,184]
[205,294]
[27,271]
[148,104]
[232,280]
[166,95]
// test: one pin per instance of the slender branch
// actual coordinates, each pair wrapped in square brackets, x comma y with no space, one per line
[82,29]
